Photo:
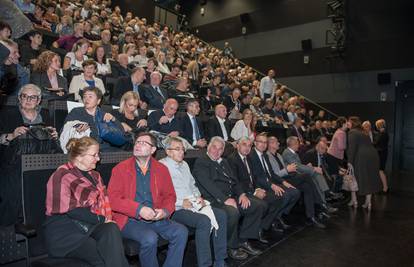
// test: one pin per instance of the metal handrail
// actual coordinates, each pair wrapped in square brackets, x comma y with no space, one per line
[257,71]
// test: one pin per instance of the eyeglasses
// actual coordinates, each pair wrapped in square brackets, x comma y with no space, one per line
[139,142]
[29,97]
[96,155]
[177,148]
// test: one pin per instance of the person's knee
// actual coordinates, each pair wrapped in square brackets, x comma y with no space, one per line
[180,233]
[203,222]
[148,239]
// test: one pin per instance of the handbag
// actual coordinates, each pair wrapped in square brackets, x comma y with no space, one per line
[349,180]
[109,131]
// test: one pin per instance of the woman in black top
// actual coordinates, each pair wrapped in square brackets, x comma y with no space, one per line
[129,114]
[381,144]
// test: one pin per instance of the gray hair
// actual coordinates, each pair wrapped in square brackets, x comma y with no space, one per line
[156,73]
[30,86]
[168,142]
[244,138]
[290,140]
[216,139]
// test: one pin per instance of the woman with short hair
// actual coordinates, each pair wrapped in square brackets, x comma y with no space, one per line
[78,212]
[86,79]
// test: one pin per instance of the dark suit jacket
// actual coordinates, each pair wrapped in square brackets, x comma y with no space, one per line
[118,70]
[123,85]
[42,80]
[292,132]
[153,98]
[228,102]
[240,171]
[259,173]
[216,183]
[153,123]
[187,128]
[214,129]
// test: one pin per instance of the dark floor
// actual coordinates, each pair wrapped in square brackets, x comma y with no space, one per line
[382,237]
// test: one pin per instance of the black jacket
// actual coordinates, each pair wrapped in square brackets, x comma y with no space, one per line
[259,173]
[186,128]
[241,172]
[42,80]
[153,98]
[153,123]
[214,129]
[216,182]
[123,85]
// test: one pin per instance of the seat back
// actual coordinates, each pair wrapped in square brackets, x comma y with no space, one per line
[36,170]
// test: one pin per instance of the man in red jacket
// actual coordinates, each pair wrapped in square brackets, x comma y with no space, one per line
[142,197]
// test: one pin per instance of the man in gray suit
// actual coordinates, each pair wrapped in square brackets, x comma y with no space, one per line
[291,156]
[303,182]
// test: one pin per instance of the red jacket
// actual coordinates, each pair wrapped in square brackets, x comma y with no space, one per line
[122,190]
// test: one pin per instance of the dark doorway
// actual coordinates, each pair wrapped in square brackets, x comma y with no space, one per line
[403,170]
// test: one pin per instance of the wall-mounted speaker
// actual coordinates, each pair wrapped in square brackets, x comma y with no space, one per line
[307,45]
[244,18]
[384,78]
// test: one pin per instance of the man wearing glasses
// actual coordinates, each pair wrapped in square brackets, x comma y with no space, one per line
[192,210]
[143,198]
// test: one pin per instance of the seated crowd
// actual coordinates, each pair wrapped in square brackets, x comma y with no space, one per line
[172,87]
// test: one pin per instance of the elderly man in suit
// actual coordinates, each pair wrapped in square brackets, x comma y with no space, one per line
[219,185]
[277,189]
[290,156]
[242,168]
[165,121]
[300,181]
[154,95]
[129,83]
[191,126]
[218,125]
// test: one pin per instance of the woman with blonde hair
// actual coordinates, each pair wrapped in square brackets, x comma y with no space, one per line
[381,139]
[78,212]
[73,60]
[129,114]
[244,127]
[130,50]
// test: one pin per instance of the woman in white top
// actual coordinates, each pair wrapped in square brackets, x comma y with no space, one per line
[162,63]
[74,59]
[244,127]
[102,63]
[291,113]
[86,79]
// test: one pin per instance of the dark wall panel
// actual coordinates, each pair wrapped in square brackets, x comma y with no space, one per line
[373,55]
[263,16]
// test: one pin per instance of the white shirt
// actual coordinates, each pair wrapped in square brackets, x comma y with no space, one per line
[267,86]
[240,130]
[223,128]
[291,150]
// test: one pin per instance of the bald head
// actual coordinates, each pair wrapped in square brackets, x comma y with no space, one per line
[220,111]
[170,107]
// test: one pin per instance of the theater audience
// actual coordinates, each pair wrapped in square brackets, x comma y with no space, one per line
[301,181]
[143,199]
[154,95]
[30,52]
[191,125]
[46,75]
[191,209]
[91,98]
[86,79]
[129,114]
[218,125]
[164,120]
[244,127]
[67,41]
[364,158]
[79,222]
[102,62]
[277,189]
[381,144]
[133,83]
[13,75]
[219,185]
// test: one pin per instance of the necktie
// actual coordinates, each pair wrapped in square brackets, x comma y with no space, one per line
[279,162]
[248,171]
[265,168]
[135,88]
[195,128]
[299,135]
[159,92]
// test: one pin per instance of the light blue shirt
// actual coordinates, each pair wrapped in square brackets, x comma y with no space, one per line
[183,180]
[24,7]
